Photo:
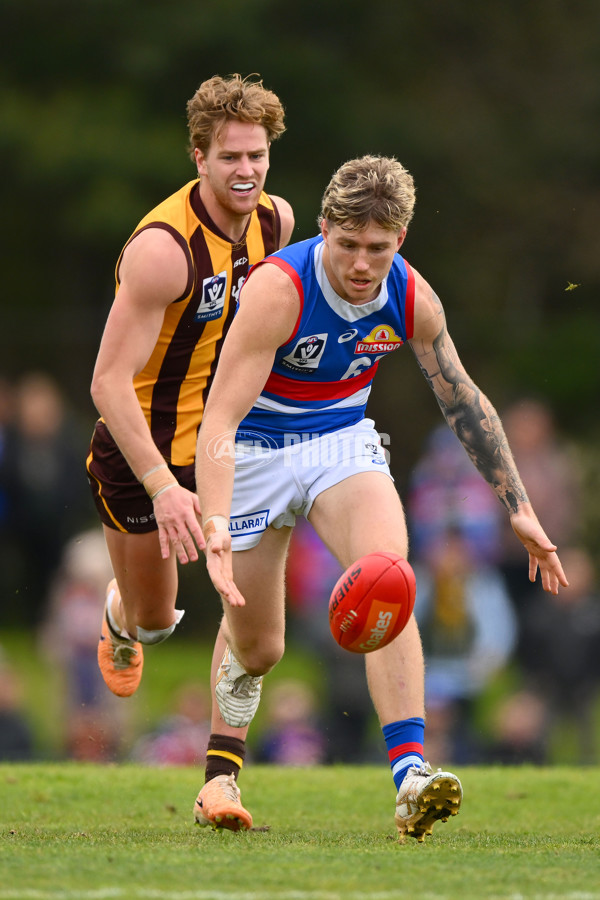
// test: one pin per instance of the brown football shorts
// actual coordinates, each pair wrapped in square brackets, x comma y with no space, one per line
[120,499]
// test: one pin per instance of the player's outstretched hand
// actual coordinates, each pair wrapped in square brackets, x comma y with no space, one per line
[177,512]
[219,562]
[542,552]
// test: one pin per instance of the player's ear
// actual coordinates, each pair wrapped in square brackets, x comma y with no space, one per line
[324,229]
[200,162]
[401,237]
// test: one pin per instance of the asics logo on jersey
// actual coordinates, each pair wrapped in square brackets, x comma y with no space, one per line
[347,336]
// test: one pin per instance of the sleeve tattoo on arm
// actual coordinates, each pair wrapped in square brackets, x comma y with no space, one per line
[472,417]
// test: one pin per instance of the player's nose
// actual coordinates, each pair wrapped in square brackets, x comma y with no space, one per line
[244,167]
[361,262]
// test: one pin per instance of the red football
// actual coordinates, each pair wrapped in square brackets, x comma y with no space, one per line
[372,602]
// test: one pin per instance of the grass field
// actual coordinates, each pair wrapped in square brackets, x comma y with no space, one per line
[84,832]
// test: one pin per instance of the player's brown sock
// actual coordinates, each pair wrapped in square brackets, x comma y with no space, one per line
[224,756]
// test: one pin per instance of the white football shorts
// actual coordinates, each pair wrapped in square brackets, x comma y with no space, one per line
[274,485]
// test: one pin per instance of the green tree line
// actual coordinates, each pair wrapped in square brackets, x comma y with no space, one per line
[494,108]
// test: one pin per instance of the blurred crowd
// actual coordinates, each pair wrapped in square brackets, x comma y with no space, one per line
[511,671]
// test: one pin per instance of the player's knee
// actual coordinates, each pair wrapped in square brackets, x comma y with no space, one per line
[158,635]
[260,657]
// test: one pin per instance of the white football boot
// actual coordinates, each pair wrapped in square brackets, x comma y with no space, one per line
[238,694]
[423,798]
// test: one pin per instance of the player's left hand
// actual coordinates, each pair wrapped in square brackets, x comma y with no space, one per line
[219,562]
[542,552]
[177,513]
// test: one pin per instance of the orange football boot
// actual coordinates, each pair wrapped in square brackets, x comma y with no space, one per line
[120,659]
[218,804]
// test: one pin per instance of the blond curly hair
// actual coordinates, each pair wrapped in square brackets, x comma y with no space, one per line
[220,100]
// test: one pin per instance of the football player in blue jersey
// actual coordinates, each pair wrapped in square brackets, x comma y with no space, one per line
[285,434]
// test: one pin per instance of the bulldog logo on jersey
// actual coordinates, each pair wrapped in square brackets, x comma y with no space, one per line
[214,291]
[307,353]
[383,339]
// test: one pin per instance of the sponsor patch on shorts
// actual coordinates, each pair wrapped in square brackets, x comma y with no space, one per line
[252,523]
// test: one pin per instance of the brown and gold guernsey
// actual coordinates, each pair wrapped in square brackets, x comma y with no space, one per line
[173,386]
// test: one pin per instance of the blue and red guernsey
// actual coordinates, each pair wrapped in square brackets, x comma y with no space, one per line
[321,378]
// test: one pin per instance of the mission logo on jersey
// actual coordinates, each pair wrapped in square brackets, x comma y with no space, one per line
[383,339]
[214,290]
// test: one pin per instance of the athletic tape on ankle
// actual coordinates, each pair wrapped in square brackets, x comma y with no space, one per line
[159,635]
[214,523]
[158,480]
[112,623]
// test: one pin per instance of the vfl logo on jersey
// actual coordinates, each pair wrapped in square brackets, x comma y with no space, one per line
[307,353]
[383,339]
[214,291]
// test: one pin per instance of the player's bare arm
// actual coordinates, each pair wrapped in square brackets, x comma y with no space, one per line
[476,423]
[286,218]
[269,308]
[153,275]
